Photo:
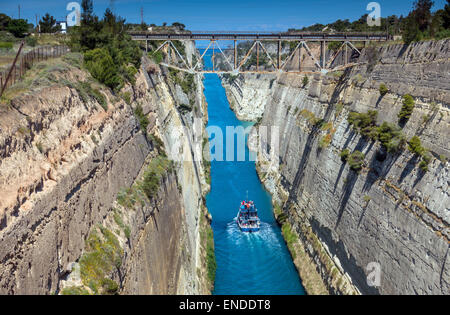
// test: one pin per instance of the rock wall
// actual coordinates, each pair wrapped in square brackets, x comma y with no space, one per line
[63,161]
[391,213]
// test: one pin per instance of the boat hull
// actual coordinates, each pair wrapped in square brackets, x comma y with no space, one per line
[248,229]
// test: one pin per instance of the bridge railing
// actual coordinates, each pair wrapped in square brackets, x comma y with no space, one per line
[246,35]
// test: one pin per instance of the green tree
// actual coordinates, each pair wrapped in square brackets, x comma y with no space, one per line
[411,32]
[18,27]
[4,21]
[447,15]
[47,24]
[179,25]
[102,67]
[422,13]
[407,109]
[87,14]
[415,146]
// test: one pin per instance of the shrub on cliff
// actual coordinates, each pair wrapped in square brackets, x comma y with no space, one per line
[110,54]
[391,137]
[365,123]
[305,81]
[415,146]
[383,89]
[426,159]
[102,67]
[103,254]
[407,109]
[143,120]
[150,184]
[344,155]
[356,161]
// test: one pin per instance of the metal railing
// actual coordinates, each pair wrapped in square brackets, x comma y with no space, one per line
[24,61]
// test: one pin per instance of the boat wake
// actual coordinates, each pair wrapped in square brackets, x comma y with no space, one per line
[259,252]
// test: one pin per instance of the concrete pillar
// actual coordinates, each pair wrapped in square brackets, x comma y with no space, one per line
[257,56]
[279,54]
[235,55]
[322,43]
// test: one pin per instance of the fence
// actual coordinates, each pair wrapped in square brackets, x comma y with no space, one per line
[23,62]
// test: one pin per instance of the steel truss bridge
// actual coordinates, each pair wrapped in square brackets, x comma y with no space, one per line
[300,40]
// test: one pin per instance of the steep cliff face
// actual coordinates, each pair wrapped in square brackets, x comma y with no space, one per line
[64,162]
[391,212]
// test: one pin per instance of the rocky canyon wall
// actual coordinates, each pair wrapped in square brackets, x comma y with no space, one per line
[391,212]
[73,160]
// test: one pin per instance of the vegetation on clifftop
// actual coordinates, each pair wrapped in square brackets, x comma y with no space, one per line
[110,55]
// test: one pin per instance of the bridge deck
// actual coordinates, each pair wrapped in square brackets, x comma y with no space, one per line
[263,36]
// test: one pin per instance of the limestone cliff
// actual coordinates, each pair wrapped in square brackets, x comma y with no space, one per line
[69,151]
[390,211]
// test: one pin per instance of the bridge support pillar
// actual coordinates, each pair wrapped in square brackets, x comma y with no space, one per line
[324,57]
[146,45]
[279,54]
[257,56]
[235,55]
[300,58]
[346,54]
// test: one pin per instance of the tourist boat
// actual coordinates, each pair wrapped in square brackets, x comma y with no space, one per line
[247,218]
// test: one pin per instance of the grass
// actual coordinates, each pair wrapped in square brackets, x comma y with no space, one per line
[210,256]
[103,255]
[290,238]
[6,46]
[127,97]
[339,108]
[152,177]
[87,92]
[75,291]
[206,162]
[40,147]
[207,239]
[310,117]
[325,141]
[148,186]
[119,221]
[157,57]
[143,120]
[42,74]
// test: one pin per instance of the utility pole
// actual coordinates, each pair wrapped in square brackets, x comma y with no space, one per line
[19,11]
[142,15]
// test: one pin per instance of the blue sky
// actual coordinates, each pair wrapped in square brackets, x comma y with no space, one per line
[239,15]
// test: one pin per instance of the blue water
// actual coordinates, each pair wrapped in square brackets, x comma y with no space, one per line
[247,264]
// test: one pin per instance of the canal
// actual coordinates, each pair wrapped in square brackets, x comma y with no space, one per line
[247,264]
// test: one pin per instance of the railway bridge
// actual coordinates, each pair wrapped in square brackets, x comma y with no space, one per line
[302,41]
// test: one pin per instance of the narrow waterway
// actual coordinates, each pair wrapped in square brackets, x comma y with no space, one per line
[247,264]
